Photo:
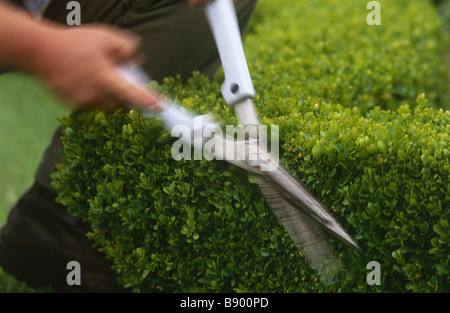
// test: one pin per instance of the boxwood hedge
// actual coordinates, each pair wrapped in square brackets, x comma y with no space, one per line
[360,125]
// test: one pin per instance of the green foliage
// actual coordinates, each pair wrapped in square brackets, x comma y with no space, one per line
[326,50]
[354,127]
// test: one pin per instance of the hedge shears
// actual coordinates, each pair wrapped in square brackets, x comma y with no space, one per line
[297,210]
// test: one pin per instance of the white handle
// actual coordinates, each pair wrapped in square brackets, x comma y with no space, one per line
[221,15]
[170,112]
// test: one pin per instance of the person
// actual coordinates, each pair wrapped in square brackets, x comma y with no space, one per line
[78,63]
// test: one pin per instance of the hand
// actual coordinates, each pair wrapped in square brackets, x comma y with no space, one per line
[80,63]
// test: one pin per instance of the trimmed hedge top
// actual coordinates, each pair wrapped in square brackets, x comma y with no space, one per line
[327,79]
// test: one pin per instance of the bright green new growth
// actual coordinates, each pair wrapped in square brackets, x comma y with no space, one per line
[326,78]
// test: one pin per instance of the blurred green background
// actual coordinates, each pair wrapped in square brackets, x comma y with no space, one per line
[28,118]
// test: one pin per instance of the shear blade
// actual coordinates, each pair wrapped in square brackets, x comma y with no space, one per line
[300,198]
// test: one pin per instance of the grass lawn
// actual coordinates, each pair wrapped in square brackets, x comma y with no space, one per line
[28,118]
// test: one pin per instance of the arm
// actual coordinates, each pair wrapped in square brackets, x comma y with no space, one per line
[78,63]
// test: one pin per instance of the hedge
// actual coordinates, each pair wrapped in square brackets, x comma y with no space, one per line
[360,125]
